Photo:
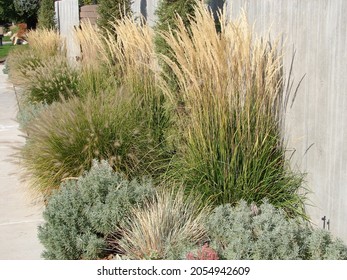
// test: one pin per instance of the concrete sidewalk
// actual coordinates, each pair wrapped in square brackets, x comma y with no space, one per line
[19,215]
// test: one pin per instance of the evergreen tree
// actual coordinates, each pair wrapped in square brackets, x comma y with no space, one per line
[28,7]
[87,2]
[167,12]
[46,14]
[7,11]
[26,11]
[111,9]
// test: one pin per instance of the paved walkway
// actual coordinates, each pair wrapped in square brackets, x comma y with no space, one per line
[19,215]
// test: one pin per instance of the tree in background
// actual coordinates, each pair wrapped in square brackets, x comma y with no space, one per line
[45,17]
[7,11]
[167,12]
[87,2]
[27,11]
[111,9]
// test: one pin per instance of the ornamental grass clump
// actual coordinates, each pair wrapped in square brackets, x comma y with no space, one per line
[51,81]
[81,216]
[46,42]
[164,228]
[43,45]
[92,45]
[263,232]
[129,52]
[230,110]
[63,141]
[95,75]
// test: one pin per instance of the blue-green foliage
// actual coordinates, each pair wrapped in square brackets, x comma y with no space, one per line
[83,213]
[264,232]
[27,7]
[28,112]
[6,69]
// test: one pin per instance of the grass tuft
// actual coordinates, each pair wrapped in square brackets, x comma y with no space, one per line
[162,228]
[64,140]
[230,109]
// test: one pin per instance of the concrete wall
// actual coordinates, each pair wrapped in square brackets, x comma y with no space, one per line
[316,125]
[147,9]
[67,14]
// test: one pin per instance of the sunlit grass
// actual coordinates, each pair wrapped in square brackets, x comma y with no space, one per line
[230,99]
[163,227]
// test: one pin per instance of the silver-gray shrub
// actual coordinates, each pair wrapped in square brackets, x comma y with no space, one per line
[82,213]
[265,232]
[28,112]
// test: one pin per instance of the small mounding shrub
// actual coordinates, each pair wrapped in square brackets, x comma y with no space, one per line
[165,228]
[6,69]
[82,214]
[322,246]
[265,233]
[64,140]
[28,112]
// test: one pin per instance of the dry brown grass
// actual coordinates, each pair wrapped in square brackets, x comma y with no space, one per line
[92,45]
[44,45]
[46,42]
[130,52]
[222,62]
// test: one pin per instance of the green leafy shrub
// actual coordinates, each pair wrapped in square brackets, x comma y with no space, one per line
[164,228]
[26,8]
[64,140]
[249,232]
[230,113]
[83,213]
[167,12]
